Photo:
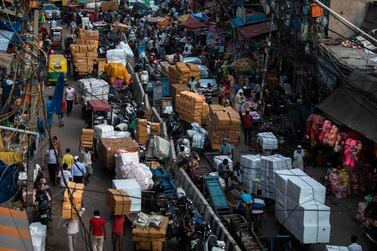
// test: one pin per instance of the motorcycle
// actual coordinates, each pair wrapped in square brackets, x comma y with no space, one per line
[204,239]
[44,208]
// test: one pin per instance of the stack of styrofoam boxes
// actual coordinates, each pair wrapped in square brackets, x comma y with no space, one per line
[132,187]
[251,167]
[302,198]
[269,165]
[267,140]
[103,131]
[336,248]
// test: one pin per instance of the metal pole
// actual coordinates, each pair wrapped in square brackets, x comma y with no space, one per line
[346,22]
[17,130]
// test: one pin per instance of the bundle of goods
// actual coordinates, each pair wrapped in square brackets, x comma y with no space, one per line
[197,135]
[189,107]
[103,131]
[181,73]
[121,158]
[109,146]
[122,54]
[163,22]
[223,122]
[120,27]
[76,193]
[149,232]
[165,66]
[176,90]
[145,129]
[84,57]
[219,159]
[92,88]
[132,188]
[161,147]
[336,248]
[87,136]
[300,206]
[119,202]
[110,5]
[118,74]
[251,165]
[88,37]
[267,141]
[338,189]
[138,171]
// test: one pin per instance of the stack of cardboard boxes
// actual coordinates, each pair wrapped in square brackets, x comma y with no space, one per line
[190,107]
[223,122]
[110,5]
[68,210]
[84,52]
[150,238]
[181,73]
[119,202]
[143,132]
[87,136]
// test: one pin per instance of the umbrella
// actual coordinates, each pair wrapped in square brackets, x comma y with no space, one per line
[201,16]
[192,24]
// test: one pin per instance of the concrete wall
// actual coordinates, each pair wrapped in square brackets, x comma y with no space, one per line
[352,10]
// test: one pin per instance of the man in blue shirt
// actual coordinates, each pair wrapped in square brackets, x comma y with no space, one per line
[78,171]
[226,148]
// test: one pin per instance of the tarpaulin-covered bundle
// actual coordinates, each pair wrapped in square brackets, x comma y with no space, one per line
[117,71]
[192,24]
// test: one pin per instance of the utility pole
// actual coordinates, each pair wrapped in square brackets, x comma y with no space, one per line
[34,95]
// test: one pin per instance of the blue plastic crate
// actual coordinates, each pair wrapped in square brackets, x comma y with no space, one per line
[216,193]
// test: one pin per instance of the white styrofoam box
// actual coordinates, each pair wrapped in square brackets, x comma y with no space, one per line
[38,234]
[282,176]
[270,164]
[336,248]
[280,213]
[117,56]
[219,159]
[267,140]
[93,88]
[304,188]
[280,199]
[122,158]
[138,171]
[251,161]
[132,187]
[309,213]
[313,234]
[251,174]
[103,131]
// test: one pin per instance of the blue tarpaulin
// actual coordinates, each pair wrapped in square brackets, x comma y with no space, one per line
[6,25]
[58,94]
[8,182]
[251,19]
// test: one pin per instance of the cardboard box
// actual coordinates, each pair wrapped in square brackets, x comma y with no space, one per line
[119,201]
[151,232]
[108,148]
[111,5]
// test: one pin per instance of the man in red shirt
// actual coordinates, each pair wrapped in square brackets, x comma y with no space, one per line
[118,232]
[247,123]
[98,231]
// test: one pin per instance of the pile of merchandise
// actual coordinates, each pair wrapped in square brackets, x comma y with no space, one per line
[122,54]
[223,122]
[181,73]
[88,37]
[197,135]
[84,58]
[191,107]
[300,206]
[177,89]
[145,130]
[267,141]
[68,210]
[92,88]
[87,136]
[132,188]
[117,73]
[259,172]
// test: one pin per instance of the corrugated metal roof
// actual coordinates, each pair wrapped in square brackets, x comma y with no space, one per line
[5,38]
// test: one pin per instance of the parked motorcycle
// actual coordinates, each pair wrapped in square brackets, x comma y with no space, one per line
[204,239]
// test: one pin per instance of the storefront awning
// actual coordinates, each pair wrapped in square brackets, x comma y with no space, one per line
[254,30]
[354,104]
[5,38]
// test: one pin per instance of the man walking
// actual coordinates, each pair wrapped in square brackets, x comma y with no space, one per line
[86,157]
[78,171]
[247,123]
[98,231]
[118,232]
[52,163]
[72,230]
[354,245]
[70,97]
[68,159]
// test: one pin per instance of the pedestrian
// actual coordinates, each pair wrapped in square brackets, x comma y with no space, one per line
[70,97]
[78,171]
[50,111]
[86,157]
[57,146]
[237,173]
[68,158]
[53,25]
[192,83]
[298,158]
[73,230]
[354,246]
[247,124]
[98,231]
[226,148]
[52,163]
[61,113]
[224,171]
[118,227]
[67,176]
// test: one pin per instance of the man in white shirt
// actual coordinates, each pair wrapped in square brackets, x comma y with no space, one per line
[67,176]
[86,157]
[72,231]
[354,246]
[70,97]
[54,25]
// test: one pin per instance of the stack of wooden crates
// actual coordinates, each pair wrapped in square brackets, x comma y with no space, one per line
[87,136]
[224,122]
[191,107]
[142,134]
[68,210]
[119,202]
